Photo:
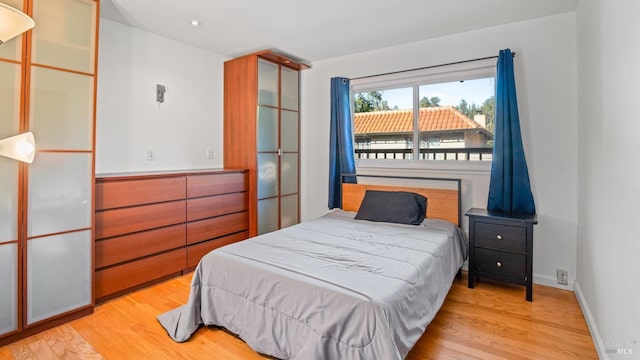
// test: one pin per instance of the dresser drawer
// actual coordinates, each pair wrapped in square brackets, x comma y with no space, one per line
[499,263]
[118,278]
[197,251]
[115,194]
[206,185]
[207,229]
[129,247]
[132,219]
[210,206]
[503,237]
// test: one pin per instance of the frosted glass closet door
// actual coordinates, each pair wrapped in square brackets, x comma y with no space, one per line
[61,109]
[289,89]
[64,36]
[60,180]
[289,131]
[267,129]
[289,173]
[59,257]
[288,210]
[9,126]
[9,283]
[267,83]
[9,250]
[59,276]
[267,215]
[59,193]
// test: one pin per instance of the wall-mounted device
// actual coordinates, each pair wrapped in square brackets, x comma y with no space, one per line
[160,90]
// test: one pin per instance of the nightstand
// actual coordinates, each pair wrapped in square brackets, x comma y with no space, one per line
[501,247]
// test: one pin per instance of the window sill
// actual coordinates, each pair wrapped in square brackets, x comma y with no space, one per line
[433,166]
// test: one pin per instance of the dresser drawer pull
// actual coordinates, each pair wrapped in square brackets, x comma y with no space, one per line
[499,237]
[498,264]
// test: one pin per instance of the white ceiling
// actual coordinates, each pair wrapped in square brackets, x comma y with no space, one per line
[319,29]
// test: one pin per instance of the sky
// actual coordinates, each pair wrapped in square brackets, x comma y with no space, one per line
[474,91]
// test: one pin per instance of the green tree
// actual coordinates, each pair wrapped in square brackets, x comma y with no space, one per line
[468,110]
[371,101]
[488,108]
[365,102]
[429,102]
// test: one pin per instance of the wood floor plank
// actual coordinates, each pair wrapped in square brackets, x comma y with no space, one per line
[490,322]
[62,342]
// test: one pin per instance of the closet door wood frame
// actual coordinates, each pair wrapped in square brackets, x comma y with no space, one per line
[44,246]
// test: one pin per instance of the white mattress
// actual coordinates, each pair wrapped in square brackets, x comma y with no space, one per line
[330,288]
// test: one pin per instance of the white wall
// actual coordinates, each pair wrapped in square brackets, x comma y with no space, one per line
[609,175]
[129,120]
[546,85]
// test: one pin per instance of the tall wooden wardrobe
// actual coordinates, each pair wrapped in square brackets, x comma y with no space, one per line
[261,133]
[47,86]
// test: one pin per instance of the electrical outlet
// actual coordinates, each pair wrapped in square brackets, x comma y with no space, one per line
[209,153]
[151,154]
[563,277]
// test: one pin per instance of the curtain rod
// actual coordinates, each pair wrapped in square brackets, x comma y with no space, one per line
[431,67]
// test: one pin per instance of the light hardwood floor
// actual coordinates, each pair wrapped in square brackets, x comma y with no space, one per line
[492,321]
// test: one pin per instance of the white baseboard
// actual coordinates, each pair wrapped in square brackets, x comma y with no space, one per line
[552,281]
[540,280]
[593,329]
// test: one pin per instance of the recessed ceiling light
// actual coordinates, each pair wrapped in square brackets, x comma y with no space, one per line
[195,22]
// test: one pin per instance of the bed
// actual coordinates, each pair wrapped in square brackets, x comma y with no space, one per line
[331,288]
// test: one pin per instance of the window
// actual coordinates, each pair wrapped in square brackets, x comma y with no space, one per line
[439,113]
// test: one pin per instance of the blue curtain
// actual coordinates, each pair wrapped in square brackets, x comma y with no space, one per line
[341,157]
[509,189]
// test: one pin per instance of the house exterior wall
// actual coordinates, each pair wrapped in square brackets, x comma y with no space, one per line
[475,139]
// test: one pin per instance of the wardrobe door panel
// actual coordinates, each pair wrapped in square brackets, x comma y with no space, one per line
[289,131]
[8,200]
[288,210]
[61,109]
[9,126]
[289,173]
[289,89]
[60,193]
[267,215]
[267,175]
[9,98]
[267,83]
[9,283]
[267,129]
[65,34]
[46,207]
[58,274]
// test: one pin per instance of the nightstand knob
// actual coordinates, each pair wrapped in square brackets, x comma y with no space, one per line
[499,264]
[499,237]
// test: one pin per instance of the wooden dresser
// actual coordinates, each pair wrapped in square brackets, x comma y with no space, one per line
[151,226]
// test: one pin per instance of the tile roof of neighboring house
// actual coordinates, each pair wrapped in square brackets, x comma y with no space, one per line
[400,121]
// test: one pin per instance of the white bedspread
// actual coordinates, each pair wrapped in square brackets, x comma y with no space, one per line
[330,288]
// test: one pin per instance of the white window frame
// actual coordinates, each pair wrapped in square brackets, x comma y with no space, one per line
[470,70]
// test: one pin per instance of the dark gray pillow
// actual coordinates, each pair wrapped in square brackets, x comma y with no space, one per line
[399,207]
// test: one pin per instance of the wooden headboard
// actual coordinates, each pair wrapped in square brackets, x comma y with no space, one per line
[441,203]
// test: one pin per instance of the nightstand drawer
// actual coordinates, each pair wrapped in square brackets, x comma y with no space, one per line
[499,263]
[503,237]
